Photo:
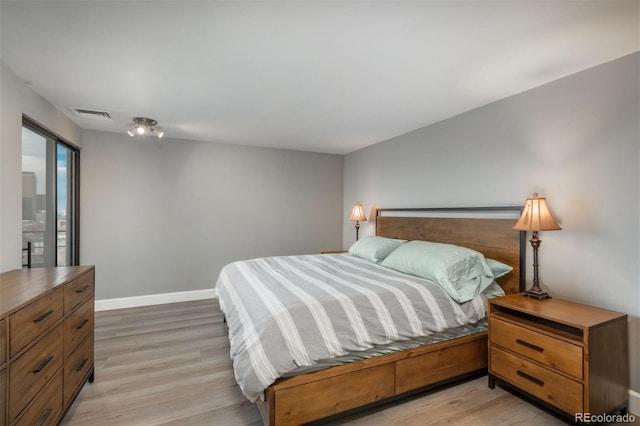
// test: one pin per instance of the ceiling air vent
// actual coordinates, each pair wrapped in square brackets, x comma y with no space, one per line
[90,113]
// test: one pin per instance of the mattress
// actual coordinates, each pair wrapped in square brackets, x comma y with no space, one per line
[291,314]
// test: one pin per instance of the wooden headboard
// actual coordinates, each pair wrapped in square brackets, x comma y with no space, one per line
[493,237]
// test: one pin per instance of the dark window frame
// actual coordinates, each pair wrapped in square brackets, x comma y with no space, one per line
[74,239]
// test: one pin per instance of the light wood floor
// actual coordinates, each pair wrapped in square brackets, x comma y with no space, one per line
[169,364]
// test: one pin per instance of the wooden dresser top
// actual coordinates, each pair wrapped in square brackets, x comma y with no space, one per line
[21,286]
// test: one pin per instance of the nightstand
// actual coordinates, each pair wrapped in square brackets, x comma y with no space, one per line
[571,357]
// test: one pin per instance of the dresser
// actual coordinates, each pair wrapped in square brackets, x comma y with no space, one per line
[46,341]
[571,357]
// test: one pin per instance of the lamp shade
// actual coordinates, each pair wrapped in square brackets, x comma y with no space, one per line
[357,214]
[536,216]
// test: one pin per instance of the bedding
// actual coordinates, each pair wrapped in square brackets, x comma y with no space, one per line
[389,348]
[494,290]
[498,269]
[460,271]
[374,248]
[284,313]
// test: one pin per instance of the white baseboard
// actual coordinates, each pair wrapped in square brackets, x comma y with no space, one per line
[155,299]
[634,402]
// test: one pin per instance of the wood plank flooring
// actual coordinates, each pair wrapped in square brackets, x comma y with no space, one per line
[169,365]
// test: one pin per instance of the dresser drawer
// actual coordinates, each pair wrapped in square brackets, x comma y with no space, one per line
[34,368]
[3,395]
[29,323]
[77,366]
[3,342]
[46,408]
[547,350]
[78,290]
[78,326]
[540,382]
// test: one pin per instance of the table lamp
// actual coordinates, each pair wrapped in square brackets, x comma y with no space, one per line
[356,216]
[536,217]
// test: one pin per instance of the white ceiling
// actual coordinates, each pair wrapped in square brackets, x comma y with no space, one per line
[315,76]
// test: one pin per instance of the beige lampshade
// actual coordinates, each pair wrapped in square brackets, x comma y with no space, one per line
[536,216]
[357,214]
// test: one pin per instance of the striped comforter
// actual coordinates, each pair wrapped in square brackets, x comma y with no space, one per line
[287,312]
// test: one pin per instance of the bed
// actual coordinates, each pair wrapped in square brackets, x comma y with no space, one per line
[302,397]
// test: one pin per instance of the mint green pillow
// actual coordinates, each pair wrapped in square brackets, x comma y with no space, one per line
[460,271]
[374,248]
[494,290]
[498,269]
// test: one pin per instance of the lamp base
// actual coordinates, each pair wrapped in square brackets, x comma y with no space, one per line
[537,293]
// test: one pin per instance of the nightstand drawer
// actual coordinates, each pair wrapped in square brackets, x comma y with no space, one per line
[545,349]
[540,382]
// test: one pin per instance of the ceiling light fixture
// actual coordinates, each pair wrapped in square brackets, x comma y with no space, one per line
[145,125]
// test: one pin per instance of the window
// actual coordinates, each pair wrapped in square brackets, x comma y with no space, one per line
[49,198]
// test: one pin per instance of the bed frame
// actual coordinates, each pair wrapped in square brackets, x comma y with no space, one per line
[308,397]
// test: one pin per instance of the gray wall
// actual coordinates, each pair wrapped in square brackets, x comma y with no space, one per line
[17,99]
[161,216]
[575,141]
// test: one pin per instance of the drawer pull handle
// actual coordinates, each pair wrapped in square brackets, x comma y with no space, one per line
[43,316]
[82,364]
[528,377]
[43,365]
[83,324]
[529,345]
[46,414]
[82,289]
